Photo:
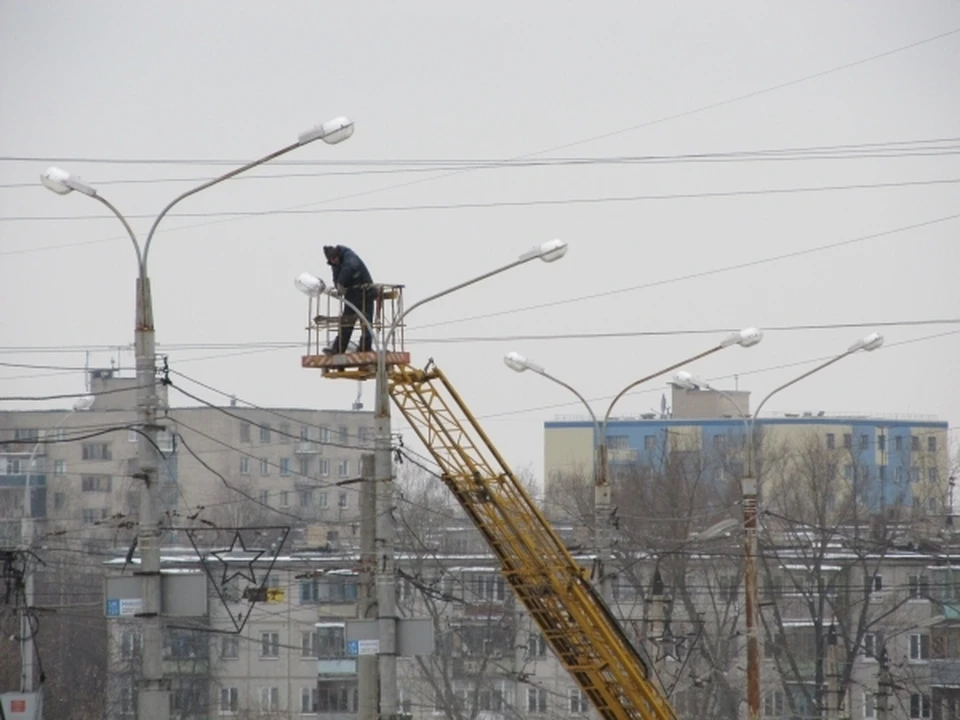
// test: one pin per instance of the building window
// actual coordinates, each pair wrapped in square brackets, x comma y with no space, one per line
[304,467]
[245,432]
[284,432]
[869,705]
[308,700]
[898,442]
[933,475]
[536,700]
[343,436]
[864,442]
[324,434]
[308,592]
[130,644]
[309,639]
[26,435]
[931,443]
[284,498]
[915,443]
[92,516]
[919,586]
[876,582]
[128,701]
[269,644]
[97,451]
[337,589]
[881,442]
[244,465]
[343,468]
[322,500]
[872,642]
[59,467]
[882,472]
[270,699]
[324,467]
[342,500]
[59,500]
[773,704]
[229,648]
[264,466]
[919,646]
[365,434]
[96,483]
[649,442]
[578,701]
[285,466]
[264,497]
[848,441]
[919,705]
[831,441]
[336,698]
[304,497]
[264,434]
[229,700]
[330,641]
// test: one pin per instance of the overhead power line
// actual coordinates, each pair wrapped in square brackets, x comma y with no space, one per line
[747,192]
[891,148]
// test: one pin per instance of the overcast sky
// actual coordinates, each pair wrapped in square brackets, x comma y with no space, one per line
[180,83]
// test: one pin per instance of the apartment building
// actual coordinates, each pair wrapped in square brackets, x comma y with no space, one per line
[80,465]
[895,461]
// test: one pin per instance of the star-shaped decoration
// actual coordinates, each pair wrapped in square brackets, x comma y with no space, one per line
[247,571]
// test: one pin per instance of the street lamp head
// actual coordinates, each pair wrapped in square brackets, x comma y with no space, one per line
[331,132]
[62,183]
[84,403]
[685,380]
[552,250]
[868,342]
[748,337]
[516,362]
[717,530]
[547,251]
[310,284]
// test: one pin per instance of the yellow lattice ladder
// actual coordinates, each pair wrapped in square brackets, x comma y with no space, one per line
[574,620]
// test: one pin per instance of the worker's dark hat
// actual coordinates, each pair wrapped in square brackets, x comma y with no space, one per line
[330,251]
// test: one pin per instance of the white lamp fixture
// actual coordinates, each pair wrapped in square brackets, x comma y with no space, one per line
[84,403]
[518,363]
[310,284]
[748,337]
[62,183]
[687,381]
[331,132]
[547,251]
[869,343]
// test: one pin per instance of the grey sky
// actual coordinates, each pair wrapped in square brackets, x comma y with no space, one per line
[491,80]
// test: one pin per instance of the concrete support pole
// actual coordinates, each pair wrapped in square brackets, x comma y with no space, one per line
[752,596]
[368,672]
[153,701]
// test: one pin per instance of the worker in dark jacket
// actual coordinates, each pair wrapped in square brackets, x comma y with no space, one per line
[354,283]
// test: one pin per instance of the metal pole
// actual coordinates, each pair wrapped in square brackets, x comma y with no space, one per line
[153,701]
[368,674]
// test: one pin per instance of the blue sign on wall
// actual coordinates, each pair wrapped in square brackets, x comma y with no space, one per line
[353,647]
[113,607]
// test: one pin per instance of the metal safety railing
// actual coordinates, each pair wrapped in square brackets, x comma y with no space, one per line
[381,302]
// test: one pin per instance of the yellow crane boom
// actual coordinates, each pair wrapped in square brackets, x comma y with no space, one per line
[573,618]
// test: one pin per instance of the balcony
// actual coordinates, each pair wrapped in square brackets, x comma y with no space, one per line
[308,447]
[945,673]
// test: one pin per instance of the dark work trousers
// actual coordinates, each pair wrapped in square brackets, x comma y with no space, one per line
[364,299]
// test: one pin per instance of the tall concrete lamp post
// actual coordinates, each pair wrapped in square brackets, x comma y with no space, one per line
[749,488]
[152,693]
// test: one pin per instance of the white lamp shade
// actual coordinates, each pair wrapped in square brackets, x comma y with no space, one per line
[552,250]
[310,284]
[515,361]
[55,179]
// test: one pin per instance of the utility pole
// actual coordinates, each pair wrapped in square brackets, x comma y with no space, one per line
[152,692]
[658,623]
[833,675]
[368,675]
[386,578]
[751,594]
[884,685]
